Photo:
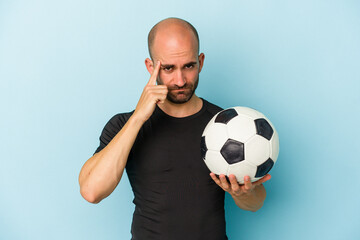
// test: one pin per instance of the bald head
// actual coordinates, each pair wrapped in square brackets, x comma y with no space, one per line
[172,28]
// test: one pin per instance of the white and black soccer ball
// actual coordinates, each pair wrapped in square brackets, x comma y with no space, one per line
[240,141]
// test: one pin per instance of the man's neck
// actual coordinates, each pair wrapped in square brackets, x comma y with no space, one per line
[189,108]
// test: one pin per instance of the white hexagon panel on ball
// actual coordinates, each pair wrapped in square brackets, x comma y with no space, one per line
[215,162]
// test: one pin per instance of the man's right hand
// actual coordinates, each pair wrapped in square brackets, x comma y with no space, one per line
[151,95]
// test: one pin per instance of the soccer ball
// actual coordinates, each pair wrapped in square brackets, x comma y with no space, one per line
[240,141]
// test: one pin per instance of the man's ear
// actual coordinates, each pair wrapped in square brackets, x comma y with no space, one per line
[149,65]
[201,61]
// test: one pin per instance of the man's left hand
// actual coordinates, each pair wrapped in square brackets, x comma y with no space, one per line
[234,188]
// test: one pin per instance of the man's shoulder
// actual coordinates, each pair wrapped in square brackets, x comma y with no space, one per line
[211,107]
[118,120]
[112,127]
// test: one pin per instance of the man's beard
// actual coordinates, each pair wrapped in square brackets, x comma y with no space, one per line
[179,96]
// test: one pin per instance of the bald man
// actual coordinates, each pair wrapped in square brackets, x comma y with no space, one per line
[175,195]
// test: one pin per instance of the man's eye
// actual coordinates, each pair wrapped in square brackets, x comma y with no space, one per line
[167,69]
[189,66]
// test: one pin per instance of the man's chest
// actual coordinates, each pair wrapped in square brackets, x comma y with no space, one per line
[170,149]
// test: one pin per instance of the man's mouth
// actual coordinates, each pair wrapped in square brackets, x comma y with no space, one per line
[178,89]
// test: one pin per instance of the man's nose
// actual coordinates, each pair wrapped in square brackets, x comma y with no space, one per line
[179,80]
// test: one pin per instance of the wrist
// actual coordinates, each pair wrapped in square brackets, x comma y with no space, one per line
[136,120]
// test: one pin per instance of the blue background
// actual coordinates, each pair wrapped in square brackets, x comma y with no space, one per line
[66,67]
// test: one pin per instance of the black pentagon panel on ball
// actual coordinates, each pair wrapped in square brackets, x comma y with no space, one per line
[203,147]
[233,151]
[264,168]
[226,115]
[263,128]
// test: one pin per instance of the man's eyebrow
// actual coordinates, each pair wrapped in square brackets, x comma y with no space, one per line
[172,65]
[189,63]
[167,65]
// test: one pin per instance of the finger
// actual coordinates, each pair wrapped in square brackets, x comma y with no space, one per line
[156,89]
[161,98]
[224,182]
[154,74]
[234,183]
[247,183]
[213,176]
[156,93]
[267,177]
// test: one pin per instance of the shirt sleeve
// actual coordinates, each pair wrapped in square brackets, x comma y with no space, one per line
[112,127]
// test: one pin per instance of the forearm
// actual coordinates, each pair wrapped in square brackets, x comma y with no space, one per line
[102,172]
[252,201]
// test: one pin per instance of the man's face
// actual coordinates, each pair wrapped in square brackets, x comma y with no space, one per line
[181,79]
[180,68]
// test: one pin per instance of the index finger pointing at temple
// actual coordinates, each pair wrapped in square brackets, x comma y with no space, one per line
[154,74]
